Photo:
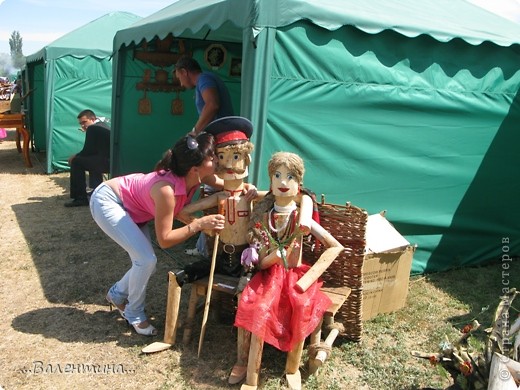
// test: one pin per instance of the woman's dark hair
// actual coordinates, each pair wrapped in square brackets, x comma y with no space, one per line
[186,153]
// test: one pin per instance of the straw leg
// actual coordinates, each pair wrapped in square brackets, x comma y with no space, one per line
[239,371]
[253,363]
[243,345]
[292,366]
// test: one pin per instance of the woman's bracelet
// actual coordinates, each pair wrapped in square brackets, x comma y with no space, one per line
[190,230]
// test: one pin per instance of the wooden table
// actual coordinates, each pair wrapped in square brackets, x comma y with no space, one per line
[17,121]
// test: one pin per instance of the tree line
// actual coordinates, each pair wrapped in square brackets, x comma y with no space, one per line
[16,60]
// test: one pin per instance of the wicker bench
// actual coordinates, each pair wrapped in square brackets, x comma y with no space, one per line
[17,121]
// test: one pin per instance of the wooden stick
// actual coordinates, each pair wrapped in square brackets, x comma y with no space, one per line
[210,284]
[208,293]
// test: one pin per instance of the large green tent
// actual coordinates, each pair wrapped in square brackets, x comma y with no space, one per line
[408,106]
[72,73]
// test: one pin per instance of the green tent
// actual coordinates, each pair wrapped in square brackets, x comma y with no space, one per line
[409,106]
[69,75]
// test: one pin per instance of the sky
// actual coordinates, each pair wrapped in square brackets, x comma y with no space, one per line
[42,21]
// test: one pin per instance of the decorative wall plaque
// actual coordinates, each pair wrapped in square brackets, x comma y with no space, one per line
[215,55]
[236,67]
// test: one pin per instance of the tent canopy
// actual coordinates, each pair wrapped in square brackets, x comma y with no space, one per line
[71,74]
[223,20]
[405,106]
[94,39]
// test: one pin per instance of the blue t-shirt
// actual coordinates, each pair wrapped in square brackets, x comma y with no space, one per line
[210,80]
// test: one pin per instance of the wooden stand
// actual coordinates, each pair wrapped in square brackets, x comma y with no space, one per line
[18,121]
[199,288]
[172,315]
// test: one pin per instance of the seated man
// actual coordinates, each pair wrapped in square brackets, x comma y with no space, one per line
[94,158]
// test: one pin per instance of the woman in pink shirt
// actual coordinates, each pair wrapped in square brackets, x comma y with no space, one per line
[122,206]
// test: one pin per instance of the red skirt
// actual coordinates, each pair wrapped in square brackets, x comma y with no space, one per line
[271,308]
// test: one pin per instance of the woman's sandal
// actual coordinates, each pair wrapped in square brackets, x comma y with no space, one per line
[115,305]
[148,331]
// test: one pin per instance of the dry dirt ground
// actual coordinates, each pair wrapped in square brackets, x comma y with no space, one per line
[57,331]
[56,328]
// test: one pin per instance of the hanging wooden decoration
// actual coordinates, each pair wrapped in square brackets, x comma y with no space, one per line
[145,105]
[177,105]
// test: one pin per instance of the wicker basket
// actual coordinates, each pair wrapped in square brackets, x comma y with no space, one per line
[347,224]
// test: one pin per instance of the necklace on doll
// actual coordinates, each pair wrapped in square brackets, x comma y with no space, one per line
[287,210]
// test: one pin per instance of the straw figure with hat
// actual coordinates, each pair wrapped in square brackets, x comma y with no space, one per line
[233,152]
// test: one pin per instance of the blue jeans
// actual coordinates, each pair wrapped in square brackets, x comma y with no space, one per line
[109,213]
[201,245]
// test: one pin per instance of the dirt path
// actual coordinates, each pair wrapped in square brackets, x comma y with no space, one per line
[56,328]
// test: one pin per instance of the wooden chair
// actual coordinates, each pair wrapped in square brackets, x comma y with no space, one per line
[222,284]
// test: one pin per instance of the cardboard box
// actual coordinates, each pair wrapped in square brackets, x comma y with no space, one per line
[386,268]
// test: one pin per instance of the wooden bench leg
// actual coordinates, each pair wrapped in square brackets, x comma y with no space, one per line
[192,309]
[172,309]
[322,354]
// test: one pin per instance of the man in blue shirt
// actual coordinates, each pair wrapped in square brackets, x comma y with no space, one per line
[212,98]
[213,101]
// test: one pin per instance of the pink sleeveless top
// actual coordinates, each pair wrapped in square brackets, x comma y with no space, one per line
[135,193]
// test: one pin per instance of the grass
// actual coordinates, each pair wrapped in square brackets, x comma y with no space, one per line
[438,306]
